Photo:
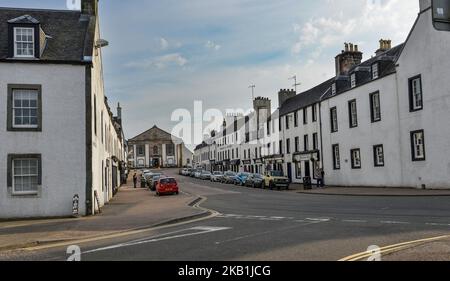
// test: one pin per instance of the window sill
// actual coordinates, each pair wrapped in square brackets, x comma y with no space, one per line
[25,194]
[24,129]
[411,110]
[419,159]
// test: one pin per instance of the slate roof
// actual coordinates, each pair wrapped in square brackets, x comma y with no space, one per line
[322,91]
[306,98]
[71,34]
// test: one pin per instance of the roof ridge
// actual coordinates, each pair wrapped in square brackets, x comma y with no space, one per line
[39,10]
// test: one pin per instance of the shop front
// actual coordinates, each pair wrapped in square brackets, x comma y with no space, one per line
[274,163]
[235,165]
[307,166]
[258,166]
[247,166]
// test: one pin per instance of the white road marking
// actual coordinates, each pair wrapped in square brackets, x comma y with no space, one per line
[198,231]
[394,222]
[354,221]
[437,224]
[319,219]
[265,232]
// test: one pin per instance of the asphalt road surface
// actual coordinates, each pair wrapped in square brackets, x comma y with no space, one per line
[265,225]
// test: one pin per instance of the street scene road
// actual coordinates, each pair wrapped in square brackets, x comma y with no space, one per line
[254,224]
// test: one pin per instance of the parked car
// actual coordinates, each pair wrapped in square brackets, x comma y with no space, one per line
[216,176]
[276,179]
[255,181]
[198,173]
[205,175]
[166,186]
[192,173]
[229,177]
[240,178]
[147,176]
[152,181]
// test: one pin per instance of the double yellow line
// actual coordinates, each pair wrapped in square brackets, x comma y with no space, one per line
[393,248]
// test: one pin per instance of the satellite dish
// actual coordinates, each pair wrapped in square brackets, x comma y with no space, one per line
[101,43]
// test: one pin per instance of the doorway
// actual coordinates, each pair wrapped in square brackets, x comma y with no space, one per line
[289,171]
[307,169]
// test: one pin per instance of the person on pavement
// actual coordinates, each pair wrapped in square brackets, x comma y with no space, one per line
[135,180]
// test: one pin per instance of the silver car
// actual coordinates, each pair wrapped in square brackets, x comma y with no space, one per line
[216,176]
[205,175]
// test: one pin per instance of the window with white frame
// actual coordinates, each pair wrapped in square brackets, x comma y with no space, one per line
[356,158]
[378,154]
[415,93]
[24,42]
[353,80]
[375,107]
[315,141]
[25,108]
[375,71]
[418,145]
[336,157]
[334,120]
[305,115]
[353,114]
[305,143]
[25,176]
[314,113]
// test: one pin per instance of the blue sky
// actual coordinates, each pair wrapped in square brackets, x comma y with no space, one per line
[164,54]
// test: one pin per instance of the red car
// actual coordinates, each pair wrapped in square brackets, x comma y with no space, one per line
[166,186]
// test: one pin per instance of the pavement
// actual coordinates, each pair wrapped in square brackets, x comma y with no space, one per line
[131,209]
[370,191]
[434,251]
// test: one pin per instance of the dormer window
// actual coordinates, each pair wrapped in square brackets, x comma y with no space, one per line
[24,45]
[333,89]
[375,71]
[26,38]
[353,80]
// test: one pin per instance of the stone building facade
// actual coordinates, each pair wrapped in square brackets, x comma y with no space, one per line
[156,148]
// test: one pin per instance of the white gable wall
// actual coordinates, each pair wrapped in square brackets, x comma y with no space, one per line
[427,53]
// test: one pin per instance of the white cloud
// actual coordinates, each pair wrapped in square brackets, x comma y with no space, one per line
[164,43]
[160,62]
[212,45]
[378,18]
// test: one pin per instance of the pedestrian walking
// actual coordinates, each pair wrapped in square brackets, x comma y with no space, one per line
[135,180]
[321,180]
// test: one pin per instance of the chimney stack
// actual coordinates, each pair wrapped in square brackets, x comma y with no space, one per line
[119,111]
[385,45]
[284,95]
[89,7]
[348,58]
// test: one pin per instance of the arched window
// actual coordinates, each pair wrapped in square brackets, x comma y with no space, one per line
[155,150]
